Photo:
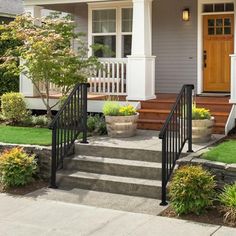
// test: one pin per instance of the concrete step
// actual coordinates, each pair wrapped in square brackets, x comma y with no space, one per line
[118,152]
[101,199]
[109,183]
[113,166]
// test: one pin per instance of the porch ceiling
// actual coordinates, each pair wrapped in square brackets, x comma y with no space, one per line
[53,2]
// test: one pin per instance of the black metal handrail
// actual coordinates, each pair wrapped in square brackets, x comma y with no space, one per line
[176,131]
[69,122]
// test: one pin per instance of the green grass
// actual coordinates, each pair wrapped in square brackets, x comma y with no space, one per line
[224,152]
[25,135]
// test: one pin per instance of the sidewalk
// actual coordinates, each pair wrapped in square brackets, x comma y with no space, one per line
[32,217]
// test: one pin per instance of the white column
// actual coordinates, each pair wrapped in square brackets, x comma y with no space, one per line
[26,86]
[141,63]
[233,79]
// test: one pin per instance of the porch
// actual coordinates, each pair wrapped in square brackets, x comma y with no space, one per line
[134,75]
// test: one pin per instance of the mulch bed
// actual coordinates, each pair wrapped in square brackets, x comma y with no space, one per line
[33,186]
[211,216]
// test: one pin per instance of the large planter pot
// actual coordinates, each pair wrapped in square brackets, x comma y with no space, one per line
[121,126]
[202,130]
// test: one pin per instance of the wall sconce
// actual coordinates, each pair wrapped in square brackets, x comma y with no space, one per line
[186,14]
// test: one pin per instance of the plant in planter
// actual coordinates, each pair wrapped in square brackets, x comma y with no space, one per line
[202,124]
[121,121]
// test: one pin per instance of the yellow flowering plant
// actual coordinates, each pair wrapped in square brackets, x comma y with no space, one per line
[200,113]
[127,110]
[16,167]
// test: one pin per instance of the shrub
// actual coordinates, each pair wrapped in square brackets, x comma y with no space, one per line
[228,200]
[96,125]
[200,113]
[14,107]
[41,121]
[16,167]
[191,190]
[127,110]
[111,109]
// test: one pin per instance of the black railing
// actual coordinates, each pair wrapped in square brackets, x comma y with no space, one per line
[70,121]
[176,131]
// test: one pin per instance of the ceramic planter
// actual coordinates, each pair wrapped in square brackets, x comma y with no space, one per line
[202,130]
[121,126]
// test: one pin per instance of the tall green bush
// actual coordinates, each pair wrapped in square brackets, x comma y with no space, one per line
[16,167]
[9,79]
[13,107]
[192,190]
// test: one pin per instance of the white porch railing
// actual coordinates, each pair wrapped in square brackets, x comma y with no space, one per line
[53,89]
[233,79]
[111,78]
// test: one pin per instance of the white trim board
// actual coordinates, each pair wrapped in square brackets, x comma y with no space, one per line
[200,37]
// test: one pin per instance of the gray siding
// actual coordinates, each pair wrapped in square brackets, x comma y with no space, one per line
[11,7]
[81,17]
[174,44]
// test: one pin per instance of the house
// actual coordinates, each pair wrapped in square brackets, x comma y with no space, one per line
[158,45]
[9,9]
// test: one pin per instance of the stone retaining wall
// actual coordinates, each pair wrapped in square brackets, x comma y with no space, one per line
[225,173]
[43,155]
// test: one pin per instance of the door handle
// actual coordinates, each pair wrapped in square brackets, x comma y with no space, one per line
[205,58]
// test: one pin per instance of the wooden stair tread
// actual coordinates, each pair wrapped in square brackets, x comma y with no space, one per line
[142,110]
[151,121]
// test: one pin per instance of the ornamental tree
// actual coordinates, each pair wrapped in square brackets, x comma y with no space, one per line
[46,53]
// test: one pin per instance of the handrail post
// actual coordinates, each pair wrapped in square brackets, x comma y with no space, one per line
[163,187]
[54,160]
[84,91]
[189,114]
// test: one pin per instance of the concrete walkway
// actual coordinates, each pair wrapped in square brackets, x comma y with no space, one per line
[32,217]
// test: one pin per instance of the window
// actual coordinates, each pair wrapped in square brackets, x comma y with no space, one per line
[112,28]
[127,19]
[220,26]
[218,7]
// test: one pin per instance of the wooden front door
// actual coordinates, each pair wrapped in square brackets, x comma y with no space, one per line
[218,44]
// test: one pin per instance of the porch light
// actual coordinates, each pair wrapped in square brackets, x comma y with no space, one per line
[186,14]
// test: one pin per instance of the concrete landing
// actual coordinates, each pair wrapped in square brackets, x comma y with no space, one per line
[145,140]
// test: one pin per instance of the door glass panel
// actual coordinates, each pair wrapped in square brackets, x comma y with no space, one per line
[211,22]
[219,31]
[227,30]
[227,22]
[211,31]
[219,22]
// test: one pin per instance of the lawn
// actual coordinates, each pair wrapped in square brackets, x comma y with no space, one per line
[224,152]
[25,135]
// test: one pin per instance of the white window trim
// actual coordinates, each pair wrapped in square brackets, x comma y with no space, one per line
[118,6]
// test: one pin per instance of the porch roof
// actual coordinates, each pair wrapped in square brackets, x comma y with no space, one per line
[52,2]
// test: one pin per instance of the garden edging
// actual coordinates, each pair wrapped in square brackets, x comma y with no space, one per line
[43,156]
[225,173]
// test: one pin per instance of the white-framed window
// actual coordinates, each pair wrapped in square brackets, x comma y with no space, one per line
[111,26]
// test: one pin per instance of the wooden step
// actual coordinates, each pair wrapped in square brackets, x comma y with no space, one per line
[153,113]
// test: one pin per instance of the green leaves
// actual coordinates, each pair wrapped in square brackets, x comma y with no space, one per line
[191,190]
[49,53]
[16,167]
